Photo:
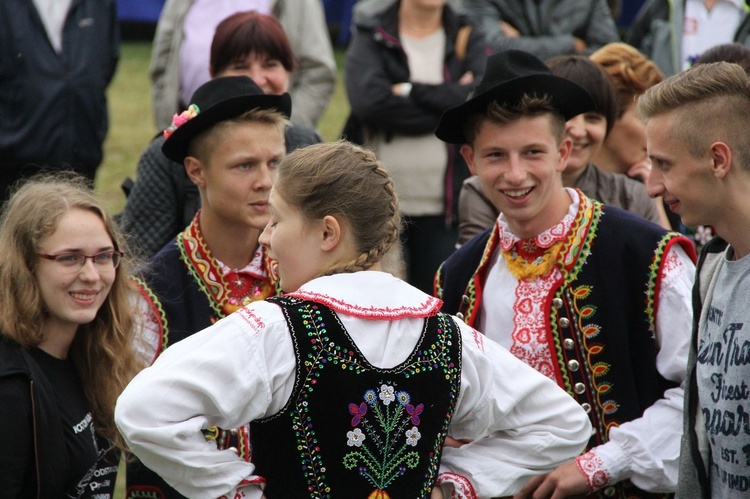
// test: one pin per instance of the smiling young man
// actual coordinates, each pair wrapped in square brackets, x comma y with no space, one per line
[594,297]
[230,141]
[699,145]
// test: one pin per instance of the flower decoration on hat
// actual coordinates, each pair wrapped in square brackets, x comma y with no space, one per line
[180,119]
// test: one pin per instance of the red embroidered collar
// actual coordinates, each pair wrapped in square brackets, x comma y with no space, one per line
[226,289]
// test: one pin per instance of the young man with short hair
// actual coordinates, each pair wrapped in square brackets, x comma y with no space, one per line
[699,146]
[592,296]
[230,140]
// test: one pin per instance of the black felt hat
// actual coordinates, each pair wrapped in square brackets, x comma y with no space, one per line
[509,75]
[218,100]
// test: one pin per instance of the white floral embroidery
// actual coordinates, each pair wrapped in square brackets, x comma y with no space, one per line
[387,394]
[703,234]
[413,436]
[355,438]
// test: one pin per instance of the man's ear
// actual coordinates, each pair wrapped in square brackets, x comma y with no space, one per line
[566,145]
[721,159]
[194,169]
[468,154]
[331,233]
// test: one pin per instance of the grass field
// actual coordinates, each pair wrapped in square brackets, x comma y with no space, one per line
[131,125]
[132,128]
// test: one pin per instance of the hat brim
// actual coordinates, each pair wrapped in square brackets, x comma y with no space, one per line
[569,98]
[176,146]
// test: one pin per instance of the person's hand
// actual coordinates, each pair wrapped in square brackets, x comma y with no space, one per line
[566,481]
[640,170]
[579,46]
[402,89]
[466,79]
[452,442]
[437,492]
[509,30]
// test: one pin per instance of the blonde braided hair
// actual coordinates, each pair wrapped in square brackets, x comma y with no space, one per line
[347,181]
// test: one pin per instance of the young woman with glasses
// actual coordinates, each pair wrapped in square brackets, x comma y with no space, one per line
[66,348]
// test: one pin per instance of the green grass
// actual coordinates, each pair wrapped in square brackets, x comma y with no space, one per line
[132,128]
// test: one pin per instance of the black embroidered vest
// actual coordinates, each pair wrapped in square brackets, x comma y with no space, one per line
[184,302]
[349,429]
[601,315]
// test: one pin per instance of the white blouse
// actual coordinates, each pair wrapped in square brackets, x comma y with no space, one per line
[242,369]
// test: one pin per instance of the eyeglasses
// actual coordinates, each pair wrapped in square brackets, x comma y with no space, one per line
[106,260]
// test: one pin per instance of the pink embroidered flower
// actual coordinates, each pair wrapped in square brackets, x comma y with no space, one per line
[358,411]
[180,119]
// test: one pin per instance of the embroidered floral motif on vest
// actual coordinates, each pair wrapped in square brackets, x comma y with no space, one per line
[350,429]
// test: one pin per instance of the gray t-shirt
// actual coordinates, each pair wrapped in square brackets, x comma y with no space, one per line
[723,375]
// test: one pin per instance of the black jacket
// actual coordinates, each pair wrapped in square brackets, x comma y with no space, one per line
[18,367]
[376,60]
[53,109]
[35,461]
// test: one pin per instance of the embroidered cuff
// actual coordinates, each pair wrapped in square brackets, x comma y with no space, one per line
[592,467]
[248,488]
[462,487]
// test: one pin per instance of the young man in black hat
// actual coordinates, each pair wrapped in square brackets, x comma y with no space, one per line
[593,297]
[230,140]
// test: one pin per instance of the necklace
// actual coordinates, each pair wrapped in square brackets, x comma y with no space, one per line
[420,30]
[526,260]
[435,25]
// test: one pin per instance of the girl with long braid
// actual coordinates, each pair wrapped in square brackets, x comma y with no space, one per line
[353,380]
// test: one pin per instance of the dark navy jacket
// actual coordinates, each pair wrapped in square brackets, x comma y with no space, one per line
[53,109]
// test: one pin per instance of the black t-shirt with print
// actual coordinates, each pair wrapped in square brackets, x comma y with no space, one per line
[92,465]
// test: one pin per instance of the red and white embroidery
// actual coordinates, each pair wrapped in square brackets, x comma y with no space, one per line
[255,322]
[478,338]
[427,308]
[592,467]
[529,335]
[557,232]
[149,324]
[671,269]
[462,487]
[239,492]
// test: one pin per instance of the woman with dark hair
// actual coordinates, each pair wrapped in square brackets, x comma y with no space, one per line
[255,45]
[163,200]
[727,52]
[182,43]
[587,131]
[66,341]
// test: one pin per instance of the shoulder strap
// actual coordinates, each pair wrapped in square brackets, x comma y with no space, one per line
[462,40]
[710,259]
